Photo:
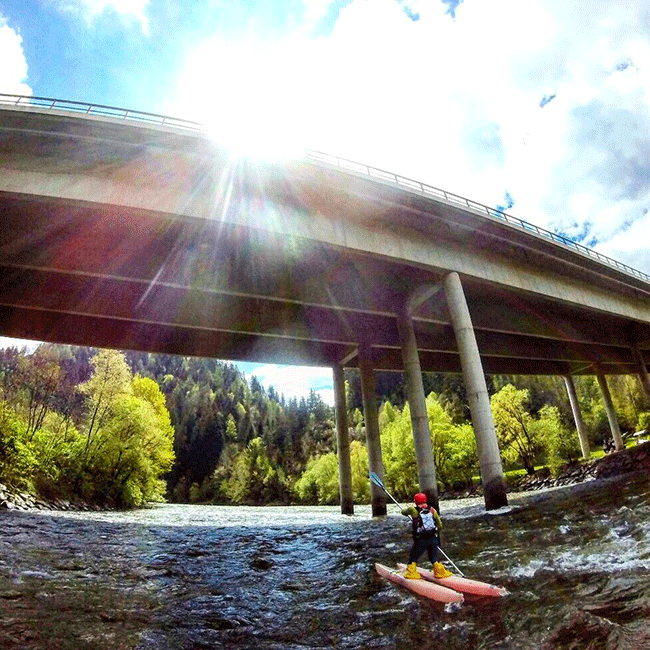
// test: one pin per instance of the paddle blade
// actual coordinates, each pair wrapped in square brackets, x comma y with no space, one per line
[376,480]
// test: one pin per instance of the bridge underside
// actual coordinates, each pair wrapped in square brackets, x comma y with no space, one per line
[131,279]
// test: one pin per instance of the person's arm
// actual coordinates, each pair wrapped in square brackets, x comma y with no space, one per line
[410,512]
[436,516]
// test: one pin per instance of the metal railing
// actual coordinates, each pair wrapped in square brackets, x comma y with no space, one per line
[102,110]
[343,164]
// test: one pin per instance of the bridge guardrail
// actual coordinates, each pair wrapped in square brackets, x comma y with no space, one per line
[102,110]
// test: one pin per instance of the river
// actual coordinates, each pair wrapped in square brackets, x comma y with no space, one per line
[575,561]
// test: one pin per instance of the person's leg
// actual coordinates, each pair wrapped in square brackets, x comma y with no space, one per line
[432,550]
[439,569]
[419,546]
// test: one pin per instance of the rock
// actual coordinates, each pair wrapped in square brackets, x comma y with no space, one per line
[11,595]
[261,563]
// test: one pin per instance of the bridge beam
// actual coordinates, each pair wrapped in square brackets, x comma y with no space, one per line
[494,487]
[343,442]
[577,416]
[611,411]
[371,418]
[418,408]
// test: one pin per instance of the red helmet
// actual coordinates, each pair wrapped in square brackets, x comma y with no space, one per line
[420,497]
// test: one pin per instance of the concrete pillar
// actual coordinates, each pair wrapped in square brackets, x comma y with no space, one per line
[644,377]
[611,412]
[343,442]
[577,416]
[494,487]
[371,418]
[417,405]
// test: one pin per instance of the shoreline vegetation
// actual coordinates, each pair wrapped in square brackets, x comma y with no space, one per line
[98,429]
[627,461]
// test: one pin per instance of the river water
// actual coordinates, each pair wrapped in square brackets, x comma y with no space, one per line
[575,561]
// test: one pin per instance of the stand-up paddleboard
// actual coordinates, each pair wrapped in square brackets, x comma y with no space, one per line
[421,587]
[458,583]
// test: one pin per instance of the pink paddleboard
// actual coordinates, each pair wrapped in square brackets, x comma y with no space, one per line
[458,583]
[421,587]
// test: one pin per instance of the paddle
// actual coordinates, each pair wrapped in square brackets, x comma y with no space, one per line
[378,482]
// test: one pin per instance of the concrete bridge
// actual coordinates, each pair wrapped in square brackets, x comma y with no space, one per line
[136,231]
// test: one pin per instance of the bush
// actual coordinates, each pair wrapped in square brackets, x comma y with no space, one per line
[320,481]
[17,462]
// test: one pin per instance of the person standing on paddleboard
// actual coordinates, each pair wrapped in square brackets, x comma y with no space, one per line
[426,537]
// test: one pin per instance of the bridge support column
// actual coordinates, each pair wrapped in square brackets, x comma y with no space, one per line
[371,418]
[494,487]
[611,411]
[577,416]
[417,405]
[343,442]
[644,377]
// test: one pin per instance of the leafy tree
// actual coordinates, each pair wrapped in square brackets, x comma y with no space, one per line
[562,445]
[517,438]
[320,481]
[628,399]
[132,444]
[16,460]
[453,445]
[359,466]
[254,479]
[111,378]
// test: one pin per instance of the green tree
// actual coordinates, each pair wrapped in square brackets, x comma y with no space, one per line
[562,445]
[37,376]
[359,466]
[453,446]
[111,378]
[132,449]
[17,462]
[517,438]
[253,478]
[129,437]
[320,481]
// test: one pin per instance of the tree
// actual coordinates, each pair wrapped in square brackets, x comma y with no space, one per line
[561,444]
[253,477]
[38,375]
[111,378]
[453,446]
[320,481]
[513,426]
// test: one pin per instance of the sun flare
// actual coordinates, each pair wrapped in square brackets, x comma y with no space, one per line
[255,103]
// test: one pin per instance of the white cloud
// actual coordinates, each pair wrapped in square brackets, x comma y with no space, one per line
[13,70]
[316,9]
[132,11]
[295,381]
[456,103]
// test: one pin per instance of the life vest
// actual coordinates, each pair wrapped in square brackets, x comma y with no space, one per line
[424,525]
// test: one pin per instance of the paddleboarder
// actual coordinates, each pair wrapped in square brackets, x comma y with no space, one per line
[426,524]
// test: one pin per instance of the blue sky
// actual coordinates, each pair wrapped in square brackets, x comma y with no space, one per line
[539,105]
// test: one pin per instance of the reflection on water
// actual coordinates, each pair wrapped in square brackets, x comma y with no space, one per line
[576,562]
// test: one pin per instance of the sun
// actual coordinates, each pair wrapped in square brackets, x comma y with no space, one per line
[253,100]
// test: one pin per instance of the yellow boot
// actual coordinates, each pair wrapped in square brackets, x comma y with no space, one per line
[412,572]
[440,571]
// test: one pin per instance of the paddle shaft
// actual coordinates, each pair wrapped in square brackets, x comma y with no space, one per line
[377,481]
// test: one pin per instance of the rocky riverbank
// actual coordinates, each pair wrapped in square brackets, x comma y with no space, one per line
[633,459]
[11,499]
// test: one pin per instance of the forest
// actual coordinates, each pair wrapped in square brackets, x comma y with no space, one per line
[127,428]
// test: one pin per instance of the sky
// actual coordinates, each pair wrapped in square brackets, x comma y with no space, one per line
[539,107]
